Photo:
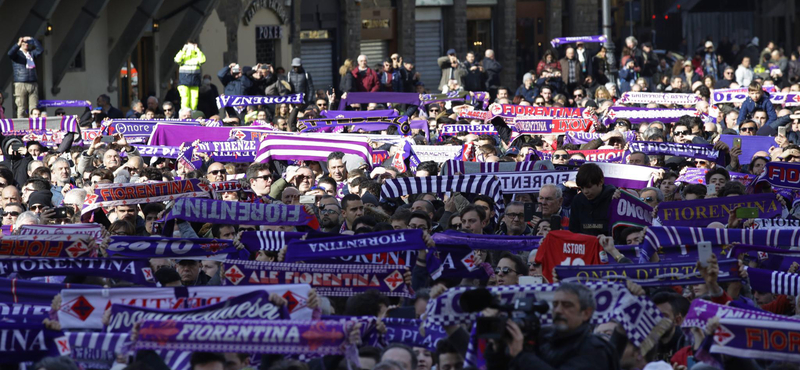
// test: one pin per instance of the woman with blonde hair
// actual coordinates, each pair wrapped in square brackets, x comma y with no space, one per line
[602,94]
[346,83]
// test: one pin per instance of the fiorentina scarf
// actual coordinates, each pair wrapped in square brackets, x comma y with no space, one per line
[64,103]
[765,340]
[657,237]
[647,274]
[25,296]
[490,242]
[218,211]
[702,310]
[99,350]
[135,271]
[253,305]
[658,98]
[705,211]
[596,155]
[454,129]
[456,261]
[566,40]
[468,96]
[407,331]
[637,314]
[141,247]
[481,115]
[696,151]
[83,308]
[514,111]
[63,123]
[139,127]
[530,181]
[455,166]
[243,101]
[378,97]
[436,153]
[475,184]
[638,115]
[286,337]
[768,258]
[349,245]
[628,210]
[112,195]
[784,175]
[693,175]
[390,113]
[401,122]
[329,280]
[578,138]
[789,98]
[161,151]
[267,240]
[734,95]
[311,148]
[91,229]
[775,223]
[23,342]
[47,246]
[776,282]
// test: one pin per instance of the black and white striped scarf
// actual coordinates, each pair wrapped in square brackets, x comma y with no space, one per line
[475,184]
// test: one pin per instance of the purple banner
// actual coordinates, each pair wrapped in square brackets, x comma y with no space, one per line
[784,175]
[328,280]
[628,210]
[64,103]
[253,305]
[47,246]
[249,336]
[765,340]
[491,242]
[566,40]
[175,135]
[750,145]
[696,151]
[162,247]
[138,127]
[210,210]
[704,211]
[135,271]
[348,245]
[648,274]
[243,101]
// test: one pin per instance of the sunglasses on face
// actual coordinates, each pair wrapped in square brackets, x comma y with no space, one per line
[505,270]
[681,133]
[748,129]
[700,163]
[560,156]
[532,264]
[217,172]
[265,178]
[455,226]
[12,214]
[327,211]
[37,207]
[247,229]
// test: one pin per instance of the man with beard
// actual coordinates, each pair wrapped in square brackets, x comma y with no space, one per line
[569,342]
[330,212]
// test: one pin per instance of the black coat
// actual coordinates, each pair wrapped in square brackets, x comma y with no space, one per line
[591,216]
[575,350]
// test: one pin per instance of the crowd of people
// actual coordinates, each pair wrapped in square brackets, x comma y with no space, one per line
[696,154]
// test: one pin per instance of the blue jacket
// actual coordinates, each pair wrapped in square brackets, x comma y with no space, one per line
[749,106]
[528,94]
[19,62]
[234,86]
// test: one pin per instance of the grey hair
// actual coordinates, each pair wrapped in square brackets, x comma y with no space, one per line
[403,347]
[59,159]
[559,193]
[187,109]
[75,196]
[585,295]
[632,40]
[26,216]
[56,363]
[653,131]
[659,194]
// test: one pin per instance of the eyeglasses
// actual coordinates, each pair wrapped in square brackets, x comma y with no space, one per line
[37,207]
[560,156]
[700,163]
[418,227]
[514,216]
[301,178]
[168,109]
[578,95]
[267,178]
[548,199]
[648,199]
[322,104]
[328,211]
[455,226]
[12,214]
[505,270]
[681,133]
[532,264]
[217,172]
[748,129]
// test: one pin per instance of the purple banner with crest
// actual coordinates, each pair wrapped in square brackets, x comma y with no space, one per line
[704,211]
[696,151]
[638,115]
[135,271]
[648,274]
[566,40]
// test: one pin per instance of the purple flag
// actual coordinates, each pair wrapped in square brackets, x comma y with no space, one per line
[648,274]
[135,271]
[705,211]
[252,305]
[628,210]
[287,337]
[566,40]
[750,145]
[327,279]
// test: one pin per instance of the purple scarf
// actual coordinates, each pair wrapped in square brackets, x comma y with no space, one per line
[161,151]
[578,138]
[306,125]
[63,123]
[47,246]
[322,249]
[698,176]
[565,40]
[378,97]
[149,192]
[287,337]
[238,151]
[657,237]
[750,145]
[456,261]
[174,134]
[144,128]
[390,113]
[596,155]
[162,247]
[658,98]
[764,340]
[407,331]
[22,342]
[701,311]
[784,175]
[529,111]
[94,230]
[243,101]
[705,211]
[98,350]
[768,258]
[638,116]
[697,151]
[210,210]
[64,103]
[452,130]
[16,291]
[776,282]
[490,242]
[311,148]
[647,274]
[253,305]
[467,96]
[628,210]
[267,240]
[135,271]
[329,280]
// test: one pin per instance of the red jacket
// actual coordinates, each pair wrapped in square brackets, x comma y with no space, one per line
[368,83]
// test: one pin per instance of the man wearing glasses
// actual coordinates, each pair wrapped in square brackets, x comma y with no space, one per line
[509,269]
[551,198]
[514,221]
[10,213]
[169,110]
[260,178]
[330,211]
[216,172]
[727,78]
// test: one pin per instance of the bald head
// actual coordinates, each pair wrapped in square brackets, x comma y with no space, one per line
[489,53]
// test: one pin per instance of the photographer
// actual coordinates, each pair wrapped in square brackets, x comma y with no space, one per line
[569,342]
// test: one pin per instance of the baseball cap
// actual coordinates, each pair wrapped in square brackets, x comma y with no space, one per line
[687,63]
[451,52]
[512,151]
[296,62]
[709,44]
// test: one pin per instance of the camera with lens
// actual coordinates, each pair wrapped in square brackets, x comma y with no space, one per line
[523,311]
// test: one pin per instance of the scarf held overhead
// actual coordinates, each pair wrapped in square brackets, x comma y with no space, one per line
[705,211]
[129,194]
[348,245]
[216,211]
[648,274]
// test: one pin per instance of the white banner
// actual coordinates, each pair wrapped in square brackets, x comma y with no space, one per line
[436,153]
[532,181]
[84,308]
[774,223]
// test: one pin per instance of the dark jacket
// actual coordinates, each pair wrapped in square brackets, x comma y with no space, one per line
[599,68]
[492,68]
[565,70]
[301,83]
[473,80]
[650,67]
[346,83]
[749,106]
[575,350]
[233,86]
[695,78]
[367,81]
[114,112]
[591,216]
[528,94]
[20,63]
